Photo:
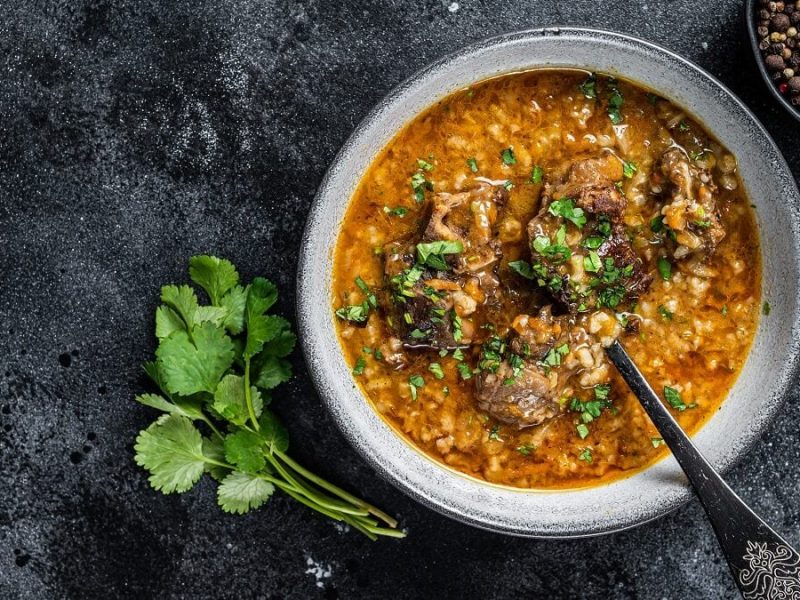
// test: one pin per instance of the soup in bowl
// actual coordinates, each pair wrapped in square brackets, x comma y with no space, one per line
[501,218]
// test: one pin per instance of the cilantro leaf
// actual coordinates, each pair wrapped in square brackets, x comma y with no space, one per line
[214,451]
[261,328]
[565,207]
[234,302]
[229,400]
[240,492]
[273,432]
[171,449]
[184,407]
[215,275]
[191,365]
[182,300]
[167,321]
[272,371]
[244,450]
[432,254]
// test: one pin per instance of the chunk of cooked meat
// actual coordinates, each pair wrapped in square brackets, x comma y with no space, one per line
[530,400]
[579,247]
[689,197]
[425,304]
[468,217]
[421,308]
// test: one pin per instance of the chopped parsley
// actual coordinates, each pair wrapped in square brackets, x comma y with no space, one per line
[455,321]
[554,356]
[664,268]
[378,354]
[588,87]
[494,434]
[431,254]
[398,211]
[507,156]
[424,164]
[583,430]
[665,313]
[355,313]
[522,268]
[657,441]
[436,369]
[509,185]
[628,169]
[657,224]
[472,164]
[592,263]
[464,370]
[683,126]
[414,383]
[536,174]
[526,448]
[557,252]
[371,298]
[420,185]
[586,455]
[724,310]
[358,369]
[565,208]
[615,102]
[766,309]
[610,297]
[673,397]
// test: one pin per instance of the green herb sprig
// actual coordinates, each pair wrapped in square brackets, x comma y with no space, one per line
[215,367]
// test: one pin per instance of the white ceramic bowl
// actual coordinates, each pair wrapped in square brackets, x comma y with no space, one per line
[754,398]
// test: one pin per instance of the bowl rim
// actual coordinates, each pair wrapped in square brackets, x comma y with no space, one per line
[752,34]
[306,307]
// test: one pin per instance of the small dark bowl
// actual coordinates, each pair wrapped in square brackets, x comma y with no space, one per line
[750,7]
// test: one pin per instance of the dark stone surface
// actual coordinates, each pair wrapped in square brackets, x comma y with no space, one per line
[134,133]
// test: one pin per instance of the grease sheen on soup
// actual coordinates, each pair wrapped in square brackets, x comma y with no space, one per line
[510,232]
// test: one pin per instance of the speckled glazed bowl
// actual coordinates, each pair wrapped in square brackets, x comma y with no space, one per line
[754,398]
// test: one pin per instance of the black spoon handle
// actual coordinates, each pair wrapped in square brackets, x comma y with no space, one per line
[762,563]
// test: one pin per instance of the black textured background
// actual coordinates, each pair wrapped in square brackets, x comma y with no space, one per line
[134,133]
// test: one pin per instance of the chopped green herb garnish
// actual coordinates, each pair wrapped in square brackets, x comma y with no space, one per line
[378,354]
[431,254]
[371,298]
[537,174]
[436,369]
[664,268]
[628,169]
[724,310]
[657,224]
[615,102]
[657,441]
[766,309]
[398,211]
[665,313]
[356,313]
[586,455]
[424,165]
[526,449]
[592,263]
[464,370]
[414,383]
[583,430]
[472,164]
[673,397]
[683,126]
[565,207]
[419,185]
[554,355]
[509,185]
[494,434]
[588,87]
[358,369]
[455,320]
[507,155]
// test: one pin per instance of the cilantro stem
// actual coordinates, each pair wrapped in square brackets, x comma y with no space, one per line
[320,499]
[247,394]
[337,490]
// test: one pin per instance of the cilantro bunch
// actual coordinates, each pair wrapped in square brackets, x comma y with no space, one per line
[215,367]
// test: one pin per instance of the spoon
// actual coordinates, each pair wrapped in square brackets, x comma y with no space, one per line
[762,563]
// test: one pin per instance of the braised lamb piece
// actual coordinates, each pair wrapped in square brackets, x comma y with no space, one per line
[435,282]
[689,210]
[579,247]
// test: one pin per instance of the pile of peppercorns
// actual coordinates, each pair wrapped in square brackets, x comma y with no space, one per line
[779,42]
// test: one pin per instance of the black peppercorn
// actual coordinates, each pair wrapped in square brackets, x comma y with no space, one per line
[764,14]
[780,23]
[776,48]
[775,63]
[795,18]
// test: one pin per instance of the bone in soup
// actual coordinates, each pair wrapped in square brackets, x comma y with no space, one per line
[510,232]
